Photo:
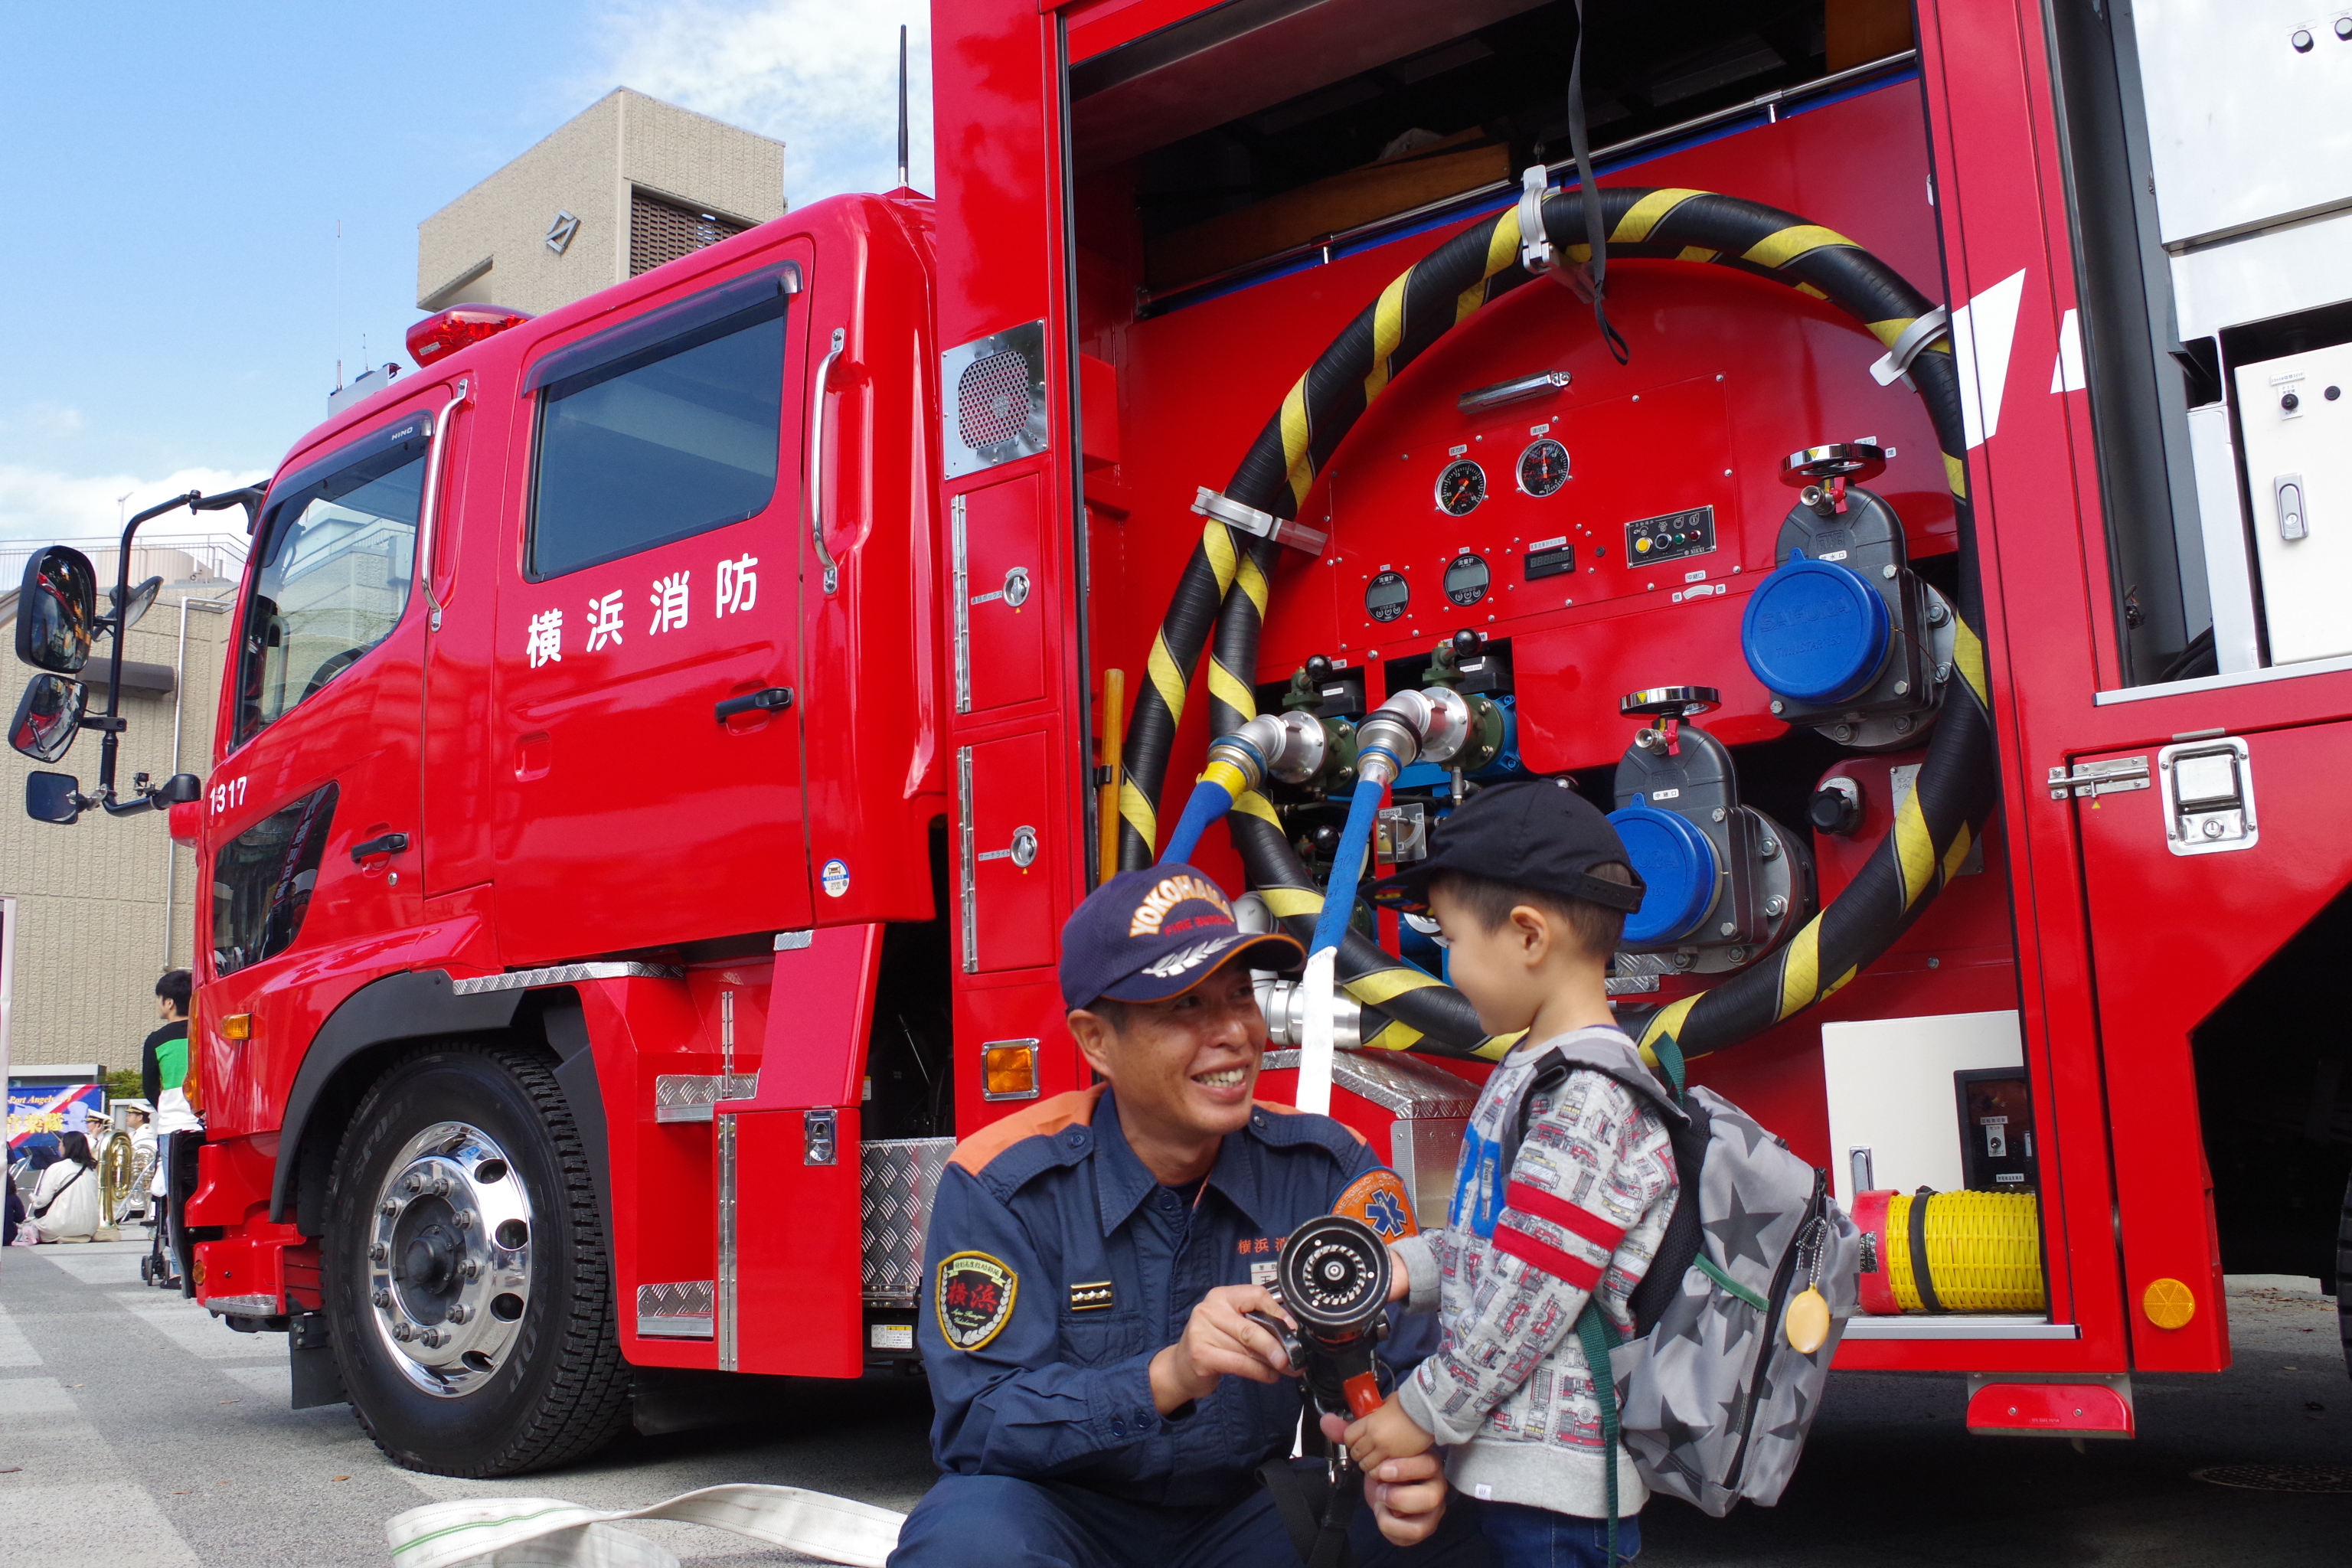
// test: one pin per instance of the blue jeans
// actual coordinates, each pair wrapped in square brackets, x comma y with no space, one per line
[1518,1536]
[1007,1522]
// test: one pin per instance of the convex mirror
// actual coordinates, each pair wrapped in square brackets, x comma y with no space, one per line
[57,609]
[143,599]
[52,797]
[47,716]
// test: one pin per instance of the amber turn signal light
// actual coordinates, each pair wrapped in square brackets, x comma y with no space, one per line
[1009,1069]
[237,1027]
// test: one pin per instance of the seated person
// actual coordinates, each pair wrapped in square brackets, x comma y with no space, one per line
[1102,1397]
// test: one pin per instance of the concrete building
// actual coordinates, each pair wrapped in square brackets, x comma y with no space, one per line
[627,186]
[91,914]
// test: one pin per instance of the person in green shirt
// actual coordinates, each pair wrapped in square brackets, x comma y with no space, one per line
[163,1059]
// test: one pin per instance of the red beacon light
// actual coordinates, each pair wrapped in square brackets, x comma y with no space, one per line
[459,326]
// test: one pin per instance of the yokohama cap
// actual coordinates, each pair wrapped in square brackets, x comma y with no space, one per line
[1145,936]
[1537,833]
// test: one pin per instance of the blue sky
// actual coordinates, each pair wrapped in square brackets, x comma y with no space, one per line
[175,175]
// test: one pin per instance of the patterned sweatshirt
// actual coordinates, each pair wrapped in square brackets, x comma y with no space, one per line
[1583,1206]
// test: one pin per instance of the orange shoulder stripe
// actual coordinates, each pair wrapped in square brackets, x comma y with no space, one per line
[1043,1120]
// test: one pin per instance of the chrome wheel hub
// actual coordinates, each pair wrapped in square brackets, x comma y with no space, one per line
[449,1259]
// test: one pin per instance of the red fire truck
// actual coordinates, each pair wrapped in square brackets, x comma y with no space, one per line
[667,735]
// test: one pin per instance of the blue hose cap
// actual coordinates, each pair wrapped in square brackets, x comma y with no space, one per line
[1815,631]
[1676,865]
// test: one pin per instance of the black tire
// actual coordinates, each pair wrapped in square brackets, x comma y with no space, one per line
[558,1389]
[2344,1276]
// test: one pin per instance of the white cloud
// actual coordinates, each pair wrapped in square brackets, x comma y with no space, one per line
[38,504]
[820,75]
[48,421]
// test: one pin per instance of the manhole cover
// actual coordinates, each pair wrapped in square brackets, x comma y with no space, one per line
[2278,1478]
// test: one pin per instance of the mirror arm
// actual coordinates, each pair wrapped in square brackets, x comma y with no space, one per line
[111,740]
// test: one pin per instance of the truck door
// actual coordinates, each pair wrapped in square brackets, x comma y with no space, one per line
[648,648]
[314,808]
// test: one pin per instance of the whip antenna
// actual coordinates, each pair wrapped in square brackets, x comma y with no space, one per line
[902,103]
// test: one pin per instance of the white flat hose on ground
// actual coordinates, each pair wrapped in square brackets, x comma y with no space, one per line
[1321,981]
[542,1532]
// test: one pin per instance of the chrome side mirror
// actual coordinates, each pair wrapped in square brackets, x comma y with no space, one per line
[47,716]
[52,797]
[56,610]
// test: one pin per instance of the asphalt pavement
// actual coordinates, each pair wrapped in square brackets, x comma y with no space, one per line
[135,1432]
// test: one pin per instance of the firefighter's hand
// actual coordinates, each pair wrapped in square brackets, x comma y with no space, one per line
[1388,1433]
[1219,1341]
[1407,1494]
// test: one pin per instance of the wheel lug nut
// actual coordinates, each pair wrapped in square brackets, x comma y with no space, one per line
[458,1314]
[465,1219]
[473,1268]
[388,1208]
[378,1252]
[431,1340]
[381,1299]
[414,1184]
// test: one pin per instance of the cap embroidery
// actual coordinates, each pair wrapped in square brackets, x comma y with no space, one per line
[1186,958]
[1166,895]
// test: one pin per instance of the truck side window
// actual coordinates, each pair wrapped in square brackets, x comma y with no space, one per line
[262,880]
[333,574]
[671,439]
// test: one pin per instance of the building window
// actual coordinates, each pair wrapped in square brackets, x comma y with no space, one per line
[663,231]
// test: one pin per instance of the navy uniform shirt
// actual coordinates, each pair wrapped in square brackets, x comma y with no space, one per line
[1058,1265]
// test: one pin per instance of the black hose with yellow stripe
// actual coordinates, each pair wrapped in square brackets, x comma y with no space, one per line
[1956,787]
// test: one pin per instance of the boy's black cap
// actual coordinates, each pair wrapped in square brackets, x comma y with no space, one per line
[1145,936]
[1538,834]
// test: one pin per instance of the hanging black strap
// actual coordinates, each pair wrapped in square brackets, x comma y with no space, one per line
[1596,269]
[1920,1275]
[1315,1512]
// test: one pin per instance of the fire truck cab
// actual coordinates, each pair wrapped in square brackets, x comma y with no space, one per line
[667,735]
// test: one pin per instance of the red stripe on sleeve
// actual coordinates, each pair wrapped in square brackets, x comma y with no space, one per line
[1537,1254]
[1560,1212]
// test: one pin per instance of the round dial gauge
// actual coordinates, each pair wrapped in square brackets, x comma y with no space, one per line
[1386,596]
[1461,487]
[1467,579]
[1543,467]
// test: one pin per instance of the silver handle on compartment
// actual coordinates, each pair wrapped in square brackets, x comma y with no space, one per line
[817,401]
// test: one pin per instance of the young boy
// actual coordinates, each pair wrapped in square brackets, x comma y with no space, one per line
[1531,887]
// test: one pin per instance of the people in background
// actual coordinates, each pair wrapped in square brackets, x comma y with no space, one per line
[65,1206]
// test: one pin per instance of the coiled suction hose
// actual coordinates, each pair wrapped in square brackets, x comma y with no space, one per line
[1226,581]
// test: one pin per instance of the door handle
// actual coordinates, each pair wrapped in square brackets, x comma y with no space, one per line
[818,396]
[774,699]
[385,844]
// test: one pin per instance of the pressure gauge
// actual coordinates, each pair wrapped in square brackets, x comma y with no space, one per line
[1461,487]
[1543,468]
[1467,579]
[1386,596]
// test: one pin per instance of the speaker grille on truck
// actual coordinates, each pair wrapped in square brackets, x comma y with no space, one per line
[996,387]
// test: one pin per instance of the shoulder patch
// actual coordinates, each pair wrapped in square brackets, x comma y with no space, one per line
[1043,1120]
[975,1298]
[1379,1199]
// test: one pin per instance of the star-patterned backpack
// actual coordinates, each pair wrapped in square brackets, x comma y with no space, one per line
[1736,1321]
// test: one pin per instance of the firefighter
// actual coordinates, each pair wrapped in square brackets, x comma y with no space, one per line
[1101,1395]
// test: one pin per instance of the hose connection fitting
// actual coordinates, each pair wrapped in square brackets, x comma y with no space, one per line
[1288,746]
[1430,725]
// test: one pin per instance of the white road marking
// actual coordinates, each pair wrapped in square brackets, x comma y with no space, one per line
[16,1349]
[102,1524]
[198,1332]
[93,1267]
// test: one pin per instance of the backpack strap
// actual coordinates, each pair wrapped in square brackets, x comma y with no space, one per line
[1598,1336]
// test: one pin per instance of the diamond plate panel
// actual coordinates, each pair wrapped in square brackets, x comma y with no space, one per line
[682,1310]
[689,1096]
[896,1180]
[1406,1087]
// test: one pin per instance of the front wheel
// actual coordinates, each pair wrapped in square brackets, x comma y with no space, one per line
[466,1282]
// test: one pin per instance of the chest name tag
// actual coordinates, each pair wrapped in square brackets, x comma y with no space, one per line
[975,1298]
[1095,1296]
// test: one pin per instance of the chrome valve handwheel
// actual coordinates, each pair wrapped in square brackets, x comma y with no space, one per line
[450,1258]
